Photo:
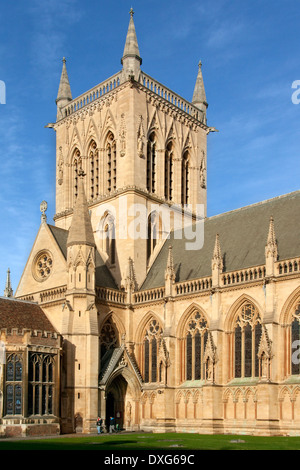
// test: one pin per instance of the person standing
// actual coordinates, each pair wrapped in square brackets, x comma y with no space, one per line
[112,424]
[99,425]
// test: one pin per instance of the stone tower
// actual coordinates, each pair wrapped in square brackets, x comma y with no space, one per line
[142,148]
[79,322]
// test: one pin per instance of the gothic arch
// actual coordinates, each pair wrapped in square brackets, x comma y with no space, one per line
[156,127]
[91,135]
[189,146]
[233,310]
[116,320]
[107,235]
[142,325]
[76,141]
[130,378]
[185,317]
[289,305]
[108,126]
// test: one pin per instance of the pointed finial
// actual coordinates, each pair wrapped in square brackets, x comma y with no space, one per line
[271,234]
[8,292]
[271,247]
[217,260]
[170,271]
[81,230]
[131,59]
[199,96]
[64,95]
[43,208]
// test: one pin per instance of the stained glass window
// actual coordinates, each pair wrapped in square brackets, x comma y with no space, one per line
[247,336]
[195,340]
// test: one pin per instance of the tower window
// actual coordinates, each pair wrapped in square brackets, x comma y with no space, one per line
[151,163]
[169,171]
[111,157]
[185,175]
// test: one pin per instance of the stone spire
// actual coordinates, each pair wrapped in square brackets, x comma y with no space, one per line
[8,292]
[130,281]
[81,231]
[131,59]
[216,263]
[170,274]
[199,96]
[271,250]
[64,95]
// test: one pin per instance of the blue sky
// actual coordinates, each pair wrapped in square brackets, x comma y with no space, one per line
[250,55]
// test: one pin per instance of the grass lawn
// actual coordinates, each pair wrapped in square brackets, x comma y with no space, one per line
[154,442]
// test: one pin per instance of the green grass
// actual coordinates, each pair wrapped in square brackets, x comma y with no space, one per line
[154,442]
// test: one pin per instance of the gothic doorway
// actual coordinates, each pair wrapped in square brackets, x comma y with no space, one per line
[115,401]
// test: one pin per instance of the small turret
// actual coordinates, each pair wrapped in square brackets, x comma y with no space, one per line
[216,263]
[81,231]
[64,95]
[131,59]
[170,274]
[8,292]
[271,250]
[199,96]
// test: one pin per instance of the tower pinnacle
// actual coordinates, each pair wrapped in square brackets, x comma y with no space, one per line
[64,94]
[199,96]
[81,232]
[8,292]
[131,59]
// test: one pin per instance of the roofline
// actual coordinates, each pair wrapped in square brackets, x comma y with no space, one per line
[256,204]
[13,299]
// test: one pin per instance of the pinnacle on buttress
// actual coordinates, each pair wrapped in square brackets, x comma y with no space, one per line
[170,270]
[271,247]
[81,231]
[8,292]
[199,96]
[64,95]
[131,59]
[217,261]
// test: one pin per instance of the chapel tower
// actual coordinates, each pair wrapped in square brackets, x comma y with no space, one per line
[143,150]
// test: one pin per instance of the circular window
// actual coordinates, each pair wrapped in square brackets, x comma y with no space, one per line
[42,266]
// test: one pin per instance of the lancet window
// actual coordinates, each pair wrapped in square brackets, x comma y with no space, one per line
[151,163]
[109,338]
[151,344]
[77,164]
[109,238]
[169,155]
[111,159]
[41,378]
[153,233]
[14,387]
[247,336]
[185,179]
[93,170]
[196,333]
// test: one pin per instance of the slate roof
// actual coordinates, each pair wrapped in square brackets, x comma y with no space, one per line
[103,276]
[243,235]
[23,315]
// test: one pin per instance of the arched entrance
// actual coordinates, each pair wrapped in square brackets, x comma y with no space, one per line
[115,400]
